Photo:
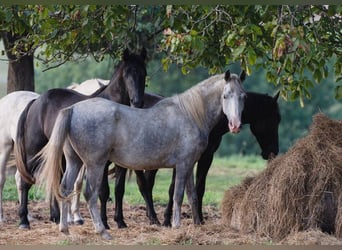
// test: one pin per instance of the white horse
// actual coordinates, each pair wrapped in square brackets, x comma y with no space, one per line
[11,107]
[89,87]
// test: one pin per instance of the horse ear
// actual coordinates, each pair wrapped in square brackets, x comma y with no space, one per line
[227,75]
[275,98]
[125,54]
[243,75]
[143,54]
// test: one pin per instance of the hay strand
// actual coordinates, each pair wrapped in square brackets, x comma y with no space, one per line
[299,190]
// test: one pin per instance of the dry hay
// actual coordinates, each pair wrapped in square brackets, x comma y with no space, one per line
[300,190]
[139,232]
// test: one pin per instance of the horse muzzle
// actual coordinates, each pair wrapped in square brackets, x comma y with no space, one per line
[234,127]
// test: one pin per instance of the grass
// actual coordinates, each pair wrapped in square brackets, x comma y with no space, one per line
[224,173]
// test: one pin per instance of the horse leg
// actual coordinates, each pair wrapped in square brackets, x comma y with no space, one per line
[168,210]
[183,172]
[120,176]
[23,211]
[104,195]
[204,164]
[146,191]
[74,214]
[93,184]
[192,197]
[54,210]
[4,155]
[73,166]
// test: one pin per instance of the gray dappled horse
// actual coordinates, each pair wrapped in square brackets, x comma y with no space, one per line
[94,131]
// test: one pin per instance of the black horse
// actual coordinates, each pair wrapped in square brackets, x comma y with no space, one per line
[261,112]
[127,86]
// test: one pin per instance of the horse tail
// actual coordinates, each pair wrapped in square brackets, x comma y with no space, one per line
[19,149]
[51,155]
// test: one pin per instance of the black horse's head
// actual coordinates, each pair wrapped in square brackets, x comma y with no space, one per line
[134,76]
[262,113]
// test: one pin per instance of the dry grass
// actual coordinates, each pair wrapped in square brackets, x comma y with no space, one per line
[139,232]
[300,190]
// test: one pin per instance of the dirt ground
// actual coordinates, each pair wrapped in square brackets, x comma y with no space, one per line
[139,232]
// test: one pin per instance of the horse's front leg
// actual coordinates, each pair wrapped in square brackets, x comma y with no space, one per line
[183,172]
[192,197]
[104,195]
[120,176]
[205,161]
[203,166]
[145,187]
[4,155]
[168,210]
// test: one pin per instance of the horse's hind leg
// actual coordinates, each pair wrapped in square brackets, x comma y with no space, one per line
[73,166]
[4,155]
[104,195]
[74,214]
[93,184]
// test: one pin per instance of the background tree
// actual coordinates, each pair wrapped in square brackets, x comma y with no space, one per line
[285,40]
[15,27]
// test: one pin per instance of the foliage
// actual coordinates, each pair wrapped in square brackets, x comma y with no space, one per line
[286,41]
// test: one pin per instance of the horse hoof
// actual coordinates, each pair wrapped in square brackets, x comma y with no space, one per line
[167,224]
[106,236]
[122,225]
[24,226]
[155,222]
[65,231]
[79,222]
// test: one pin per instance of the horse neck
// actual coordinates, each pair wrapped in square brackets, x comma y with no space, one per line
[116,89]
[205,108]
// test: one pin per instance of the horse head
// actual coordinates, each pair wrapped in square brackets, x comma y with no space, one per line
[233,98]
[134,76]
[265,127]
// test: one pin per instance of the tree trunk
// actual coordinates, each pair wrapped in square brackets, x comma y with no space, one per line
[20,70]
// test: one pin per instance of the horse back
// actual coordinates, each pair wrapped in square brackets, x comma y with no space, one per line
[43,112]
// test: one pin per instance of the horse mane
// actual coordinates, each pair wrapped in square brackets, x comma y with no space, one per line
[191,102]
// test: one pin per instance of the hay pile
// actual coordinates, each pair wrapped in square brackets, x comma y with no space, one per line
[299,190]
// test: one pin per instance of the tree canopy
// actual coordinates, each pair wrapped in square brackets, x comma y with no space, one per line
[286,41]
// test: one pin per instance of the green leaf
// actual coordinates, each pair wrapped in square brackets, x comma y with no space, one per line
[251,56]
[338,92]
[317,75]
[238,51]
[256,29]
